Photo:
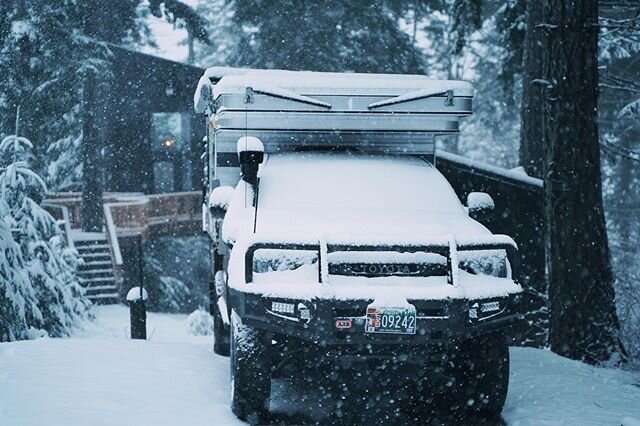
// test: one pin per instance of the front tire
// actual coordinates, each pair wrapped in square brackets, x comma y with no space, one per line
[480,373]
[221,344]
[250,371]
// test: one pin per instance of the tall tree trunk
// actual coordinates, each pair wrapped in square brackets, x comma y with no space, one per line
[531,135]
[191,55]
[584,324]
[92,162]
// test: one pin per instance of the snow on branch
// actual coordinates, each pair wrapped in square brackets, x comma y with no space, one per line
[17,143]
[631,109]
[12,176]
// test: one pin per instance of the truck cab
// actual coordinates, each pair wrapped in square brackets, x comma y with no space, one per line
[331,229]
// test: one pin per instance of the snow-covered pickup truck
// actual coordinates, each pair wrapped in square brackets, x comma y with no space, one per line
[343,244]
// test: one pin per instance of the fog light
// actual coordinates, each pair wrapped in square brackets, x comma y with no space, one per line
[304,313]
[473,311]
[490,307]
[283,308]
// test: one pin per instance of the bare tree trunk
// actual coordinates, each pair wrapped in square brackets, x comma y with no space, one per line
[584,324]
[531,135]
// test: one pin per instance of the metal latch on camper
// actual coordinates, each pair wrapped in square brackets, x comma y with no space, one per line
[449,101]
[248,96]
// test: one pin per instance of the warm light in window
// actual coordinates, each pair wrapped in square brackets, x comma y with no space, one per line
[168,143]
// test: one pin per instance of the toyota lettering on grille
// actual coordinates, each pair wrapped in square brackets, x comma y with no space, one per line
[382,269]
[387,269]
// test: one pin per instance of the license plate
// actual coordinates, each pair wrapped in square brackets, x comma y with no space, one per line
[391,320]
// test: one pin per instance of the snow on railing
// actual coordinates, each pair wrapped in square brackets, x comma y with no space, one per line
[112,236]
[67,227]
[66,222]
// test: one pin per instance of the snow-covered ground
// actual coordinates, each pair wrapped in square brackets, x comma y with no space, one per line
[100,377]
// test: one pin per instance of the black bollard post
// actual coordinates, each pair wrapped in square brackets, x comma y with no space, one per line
[137,297]
[138,313]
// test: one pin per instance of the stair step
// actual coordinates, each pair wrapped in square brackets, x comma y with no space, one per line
[97,263]
[96,247]
[101,288]
[96,257]
[89,281]
[103,278]
[103,296]
[96,271]
[89,255]
[85,243]
[93,259]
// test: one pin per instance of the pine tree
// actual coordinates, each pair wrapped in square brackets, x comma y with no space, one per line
[44,53]
[359,36]
[18,301]
[224,34]
[40,288]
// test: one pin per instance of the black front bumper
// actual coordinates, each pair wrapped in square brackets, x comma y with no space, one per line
[440,323]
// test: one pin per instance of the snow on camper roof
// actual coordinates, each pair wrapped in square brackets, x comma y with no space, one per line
[219,80]
[326,83]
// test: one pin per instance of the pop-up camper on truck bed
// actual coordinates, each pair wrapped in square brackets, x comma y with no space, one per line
[341,243]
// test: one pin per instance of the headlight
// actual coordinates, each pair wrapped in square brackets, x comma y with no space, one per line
[296,311]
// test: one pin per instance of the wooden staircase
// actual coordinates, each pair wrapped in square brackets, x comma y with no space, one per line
[97,274]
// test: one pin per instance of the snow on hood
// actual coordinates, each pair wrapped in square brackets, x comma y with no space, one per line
[365,226]
[339,196]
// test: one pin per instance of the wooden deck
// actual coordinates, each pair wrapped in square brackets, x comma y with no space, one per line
[125,216]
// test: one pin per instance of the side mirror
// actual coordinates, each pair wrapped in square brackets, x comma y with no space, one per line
[250,155]
[480,205]
[219,200]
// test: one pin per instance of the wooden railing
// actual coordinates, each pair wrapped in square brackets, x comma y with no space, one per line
[61,214]
[130,213]
[114,245]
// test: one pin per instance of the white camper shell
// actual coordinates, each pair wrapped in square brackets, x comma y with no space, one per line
[375,113]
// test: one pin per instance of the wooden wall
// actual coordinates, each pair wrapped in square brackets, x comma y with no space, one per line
[519,214]
[116,111]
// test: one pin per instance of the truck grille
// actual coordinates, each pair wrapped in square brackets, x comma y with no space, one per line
[388,269]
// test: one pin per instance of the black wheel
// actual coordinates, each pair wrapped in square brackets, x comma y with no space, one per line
[250,372]
[220,330]
[480,374]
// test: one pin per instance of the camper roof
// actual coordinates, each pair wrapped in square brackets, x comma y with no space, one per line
[327,83]
[218,81]
[287,110]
